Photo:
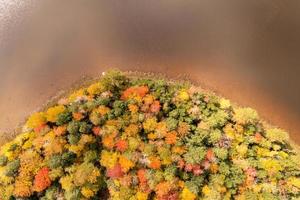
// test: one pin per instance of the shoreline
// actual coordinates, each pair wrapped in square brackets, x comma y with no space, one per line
[86,80]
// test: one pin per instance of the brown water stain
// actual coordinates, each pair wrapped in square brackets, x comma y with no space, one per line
[246,51]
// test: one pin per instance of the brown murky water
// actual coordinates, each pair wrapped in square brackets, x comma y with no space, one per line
[247,51]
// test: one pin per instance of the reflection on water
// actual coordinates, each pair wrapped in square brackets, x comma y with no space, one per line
[246,51]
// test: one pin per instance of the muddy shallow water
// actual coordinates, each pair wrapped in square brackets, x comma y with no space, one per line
[247,51]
